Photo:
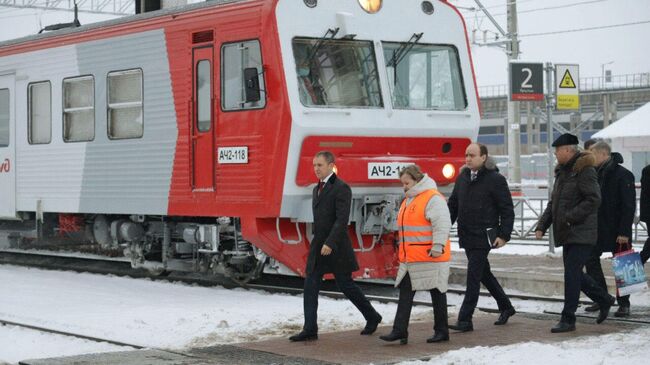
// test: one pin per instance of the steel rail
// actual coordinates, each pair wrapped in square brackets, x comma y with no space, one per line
[5,322]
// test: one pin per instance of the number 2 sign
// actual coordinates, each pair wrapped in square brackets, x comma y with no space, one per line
[526,81]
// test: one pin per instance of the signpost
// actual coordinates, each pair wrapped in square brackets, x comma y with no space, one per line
[526,84]
[526,81]
[567,87]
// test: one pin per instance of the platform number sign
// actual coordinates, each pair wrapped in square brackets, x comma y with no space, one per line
[526,81]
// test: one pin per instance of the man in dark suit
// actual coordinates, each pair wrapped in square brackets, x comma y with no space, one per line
[331,249]
[615,216]
[645,209]
[481,202]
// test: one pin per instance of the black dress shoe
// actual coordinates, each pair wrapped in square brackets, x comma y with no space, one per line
[371,326]
[462,326]
[304,336]
[604,310]
[394,336]
[563,327]
[504,316]
[593,308]
[438,336]
[622,311]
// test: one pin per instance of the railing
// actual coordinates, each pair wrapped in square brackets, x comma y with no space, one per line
[616,82]
[632,81]
[492,91]
[529,209]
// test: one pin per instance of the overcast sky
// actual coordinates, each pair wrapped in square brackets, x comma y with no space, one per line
[627,46]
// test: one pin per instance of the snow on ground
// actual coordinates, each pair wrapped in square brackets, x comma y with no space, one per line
[515,248]
[176,315]
[155,314]
[618,348]
[19,344]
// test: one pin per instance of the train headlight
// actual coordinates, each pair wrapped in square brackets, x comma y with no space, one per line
[370,6]
[311,3]
[448,171]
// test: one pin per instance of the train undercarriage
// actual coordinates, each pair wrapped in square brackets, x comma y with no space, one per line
[159,244]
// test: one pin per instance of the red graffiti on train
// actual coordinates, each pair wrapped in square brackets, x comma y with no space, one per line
[6,166]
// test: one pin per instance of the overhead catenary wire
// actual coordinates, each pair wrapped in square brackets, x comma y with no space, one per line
[554,7]
[564,31]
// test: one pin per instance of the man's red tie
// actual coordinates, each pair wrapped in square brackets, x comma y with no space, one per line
[321,185]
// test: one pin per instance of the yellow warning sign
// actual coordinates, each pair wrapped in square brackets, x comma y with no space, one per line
[567,81]
[568,102]
[567,87]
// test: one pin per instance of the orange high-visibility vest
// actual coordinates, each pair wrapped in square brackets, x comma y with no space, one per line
[415,231]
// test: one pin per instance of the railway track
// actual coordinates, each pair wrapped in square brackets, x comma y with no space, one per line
[5,322]
[377,291]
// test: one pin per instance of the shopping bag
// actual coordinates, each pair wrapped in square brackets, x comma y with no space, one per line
[628,273]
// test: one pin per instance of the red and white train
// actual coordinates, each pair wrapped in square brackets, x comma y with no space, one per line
[186,135]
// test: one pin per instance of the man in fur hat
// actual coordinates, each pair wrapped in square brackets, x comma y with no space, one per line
[573,211]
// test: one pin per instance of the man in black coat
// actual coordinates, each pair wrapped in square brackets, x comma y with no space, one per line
[645,210]
[615,216]
[331,249]
[482,204]
[573,211]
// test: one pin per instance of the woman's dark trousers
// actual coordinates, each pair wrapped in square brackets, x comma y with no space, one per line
[405,304]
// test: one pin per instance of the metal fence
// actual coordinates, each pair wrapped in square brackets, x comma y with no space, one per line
[528,210]
[615,82]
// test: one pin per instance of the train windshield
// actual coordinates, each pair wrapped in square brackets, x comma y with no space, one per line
[424,76]
[337,73]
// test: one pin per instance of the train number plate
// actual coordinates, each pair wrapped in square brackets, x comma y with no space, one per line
[232,155]
[385,170]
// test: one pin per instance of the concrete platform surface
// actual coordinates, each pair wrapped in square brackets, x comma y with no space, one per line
[349,347]
[216,355]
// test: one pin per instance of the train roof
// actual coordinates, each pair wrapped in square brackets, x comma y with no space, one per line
[118,21]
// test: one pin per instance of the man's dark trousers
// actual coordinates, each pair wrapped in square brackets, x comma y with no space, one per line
[645,253]
[575,256]
[349,288]
[595,271]
[478,271]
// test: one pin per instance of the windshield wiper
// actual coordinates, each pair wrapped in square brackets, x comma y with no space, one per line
[321,41]
[404,49]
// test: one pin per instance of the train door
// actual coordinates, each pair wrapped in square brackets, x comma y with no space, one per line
[7,147]
[203,168]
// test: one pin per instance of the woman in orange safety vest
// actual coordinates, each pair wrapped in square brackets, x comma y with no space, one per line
[424,253]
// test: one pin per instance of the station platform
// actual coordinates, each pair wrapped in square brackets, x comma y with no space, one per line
[349,347]
[541,275]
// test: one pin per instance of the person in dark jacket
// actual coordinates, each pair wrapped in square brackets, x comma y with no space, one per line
[615,216]
[482,204]
[573,211]
[645,210]
[331,249]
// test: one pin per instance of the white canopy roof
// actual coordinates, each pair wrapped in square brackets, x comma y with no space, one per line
[635,124]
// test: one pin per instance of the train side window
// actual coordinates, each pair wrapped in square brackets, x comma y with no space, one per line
[235,59]
[204,95]
[125,106]
[39,122]
[4,117]
[79,109]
